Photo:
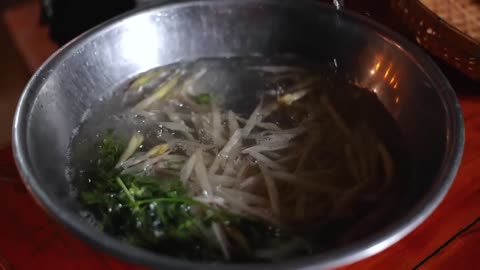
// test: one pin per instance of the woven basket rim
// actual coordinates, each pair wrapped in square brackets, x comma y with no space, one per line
[449,25]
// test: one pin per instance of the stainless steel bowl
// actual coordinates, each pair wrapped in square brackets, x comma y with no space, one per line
[407,82]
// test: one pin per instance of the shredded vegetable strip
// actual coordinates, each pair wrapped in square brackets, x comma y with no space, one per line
[272,190]
[265,160]
[201,173]
[241,171]
[187,169]
[188,85]
[238,205]
[288,99]
[303,183]
[222,180]
[246,197]
[263,125]
[224,153]
[254,118]
[305,153]
[338,119]
[248,182]
[144,79]
[217,125]
[293,158]
[232,123]
[222,239]
[160,93]
[133,144]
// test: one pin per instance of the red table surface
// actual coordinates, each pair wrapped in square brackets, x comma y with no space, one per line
[29,239]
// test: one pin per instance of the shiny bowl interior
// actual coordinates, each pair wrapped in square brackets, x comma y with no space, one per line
[407,82]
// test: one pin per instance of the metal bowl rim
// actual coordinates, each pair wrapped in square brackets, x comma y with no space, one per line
[341,256]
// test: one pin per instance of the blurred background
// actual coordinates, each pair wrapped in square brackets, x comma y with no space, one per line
[13,75]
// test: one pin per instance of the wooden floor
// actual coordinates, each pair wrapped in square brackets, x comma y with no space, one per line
[448,240]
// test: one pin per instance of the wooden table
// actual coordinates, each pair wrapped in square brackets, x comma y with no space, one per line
[449,239]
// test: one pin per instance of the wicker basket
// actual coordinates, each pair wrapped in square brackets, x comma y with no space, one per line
[449,29]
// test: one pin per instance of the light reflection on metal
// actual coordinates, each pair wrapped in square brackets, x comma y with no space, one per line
[387,72]
[393,79]
[377,67]
[139,42]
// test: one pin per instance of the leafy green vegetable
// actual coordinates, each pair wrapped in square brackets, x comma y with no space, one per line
[202,98]
[159,215]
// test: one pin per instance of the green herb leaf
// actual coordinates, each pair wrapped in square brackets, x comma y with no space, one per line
[149,212]
[202,99]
